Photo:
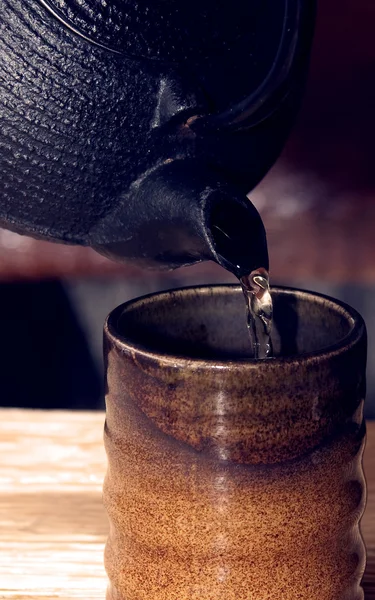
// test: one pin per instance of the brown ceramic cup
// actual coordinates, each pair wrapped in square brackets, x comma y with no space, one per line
[230,478]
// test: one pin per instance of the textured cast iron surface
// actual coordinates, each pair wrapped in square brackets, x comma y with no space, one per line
[234,479]
[81,124]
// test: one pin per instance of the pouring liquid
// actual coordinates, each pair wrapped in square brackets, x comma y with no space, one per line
[256,289]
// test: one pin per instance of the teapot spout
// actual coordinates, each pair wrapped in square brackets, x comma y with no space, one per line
[179,214]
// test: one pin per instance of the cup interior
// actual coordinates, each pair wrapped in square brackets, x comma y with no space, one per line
[209,322]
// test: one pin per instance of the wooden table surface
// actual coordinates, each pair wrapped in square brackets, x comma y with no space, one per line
[52,523]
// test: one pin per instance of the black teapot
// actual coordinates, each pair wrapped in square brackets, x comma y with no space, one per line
[137,127]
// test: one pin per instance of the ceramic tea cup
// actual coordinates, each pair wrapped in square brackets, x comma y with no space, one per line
[230,478]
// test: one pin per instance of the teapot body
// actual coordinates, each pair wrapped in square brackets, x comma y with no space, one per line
[96,96]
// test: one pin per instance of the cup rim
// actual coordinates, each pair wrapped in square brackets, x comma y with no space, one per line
[356,332]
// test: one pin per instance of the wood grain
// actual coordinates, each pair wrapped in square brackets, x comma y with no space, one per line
[52,523]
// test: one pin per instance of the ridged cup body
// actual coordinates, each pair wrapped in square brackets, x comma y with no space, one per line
[229,478]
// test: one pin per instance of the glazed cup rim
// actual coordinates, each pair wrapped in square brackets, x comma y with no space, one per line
[356,332]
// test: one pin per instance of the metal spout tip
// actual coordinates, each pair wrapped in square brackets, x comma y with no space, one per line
[236,233]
